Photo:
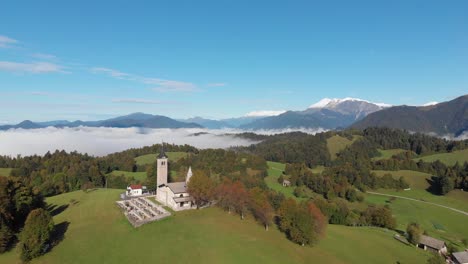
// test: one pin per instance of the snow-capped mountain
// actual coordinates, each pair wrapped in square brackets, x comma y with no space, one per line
[349,106]
[326,113]
[333,102]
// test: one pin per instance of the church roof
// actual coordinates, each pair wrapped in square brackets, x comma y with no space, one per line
[177,187]
[162,153]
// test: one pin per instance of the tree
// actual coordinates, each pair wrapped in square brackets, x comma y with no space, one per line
[414,232]
[224,195]
[201,188]
[6,235]
[261,207]
[303,223]
[36,234]
[240,197]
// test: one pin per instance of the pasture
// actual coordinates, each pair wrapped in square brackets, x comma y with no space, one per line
[437,221]
[387,153]
[336,143]
[97,232]
[151,158]
[450,159]
[139,176]
[5,172]
[419,184]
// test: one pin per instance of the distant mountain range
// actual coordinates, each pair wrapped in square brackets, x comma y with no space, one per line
[444,118]
[132,120]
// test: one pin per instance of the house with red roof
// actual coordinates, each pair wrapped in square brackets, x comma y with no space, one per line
[135,190]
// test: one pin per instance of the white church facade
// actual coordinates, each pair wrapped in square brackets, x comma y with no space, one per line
[173,194]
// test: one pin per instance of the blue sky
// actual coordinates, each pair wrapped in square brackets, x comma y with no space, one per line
[88,60]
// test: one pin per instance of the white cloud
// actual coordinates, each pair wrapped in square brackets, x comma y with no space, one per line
[162,85]
[44,56]
[110,72]
[6,42]
[430,103]
[33,67]
[265,113]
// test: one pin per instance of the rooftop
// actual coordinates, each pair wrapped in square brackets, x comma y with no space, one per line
[461,257]
[135,186]
[177,187]
[431,242]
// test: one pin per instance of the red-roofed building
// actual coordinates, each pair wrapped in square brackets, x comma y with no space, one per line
[135,190]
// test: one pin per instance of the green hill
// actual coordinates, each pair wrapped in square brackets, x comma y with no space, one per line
[151,158]
[336,143]
[140,176]
[415,179]
[448,158]
[388,153]
[99,233]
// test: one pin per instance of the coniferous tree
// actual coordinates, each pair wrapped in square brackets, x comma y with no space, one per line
[36,235]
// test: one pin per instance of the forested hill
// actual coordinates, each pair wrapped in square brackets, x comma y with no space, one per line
[445,118]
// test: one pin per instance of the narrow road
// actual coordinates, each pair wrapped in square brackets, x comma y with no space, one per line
[416,200]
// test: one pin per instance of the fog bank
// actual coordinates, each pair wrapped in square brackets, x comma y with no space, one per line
[99,141]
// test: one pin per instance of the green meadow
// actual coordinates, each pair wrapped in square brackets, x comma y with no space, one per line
[388,153]
[275,170]
[151,158]
[437,221]
[336,143]
[415,179]
[450,159]
[140,176]
[5,171]
[419,184]
[98,232]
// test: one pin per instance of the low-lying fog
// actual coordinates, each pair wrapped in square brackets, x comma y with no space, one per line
[101,141]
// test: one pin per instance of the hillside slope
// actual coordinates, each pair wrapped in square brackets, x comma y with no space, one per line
[445,118]
[97,232]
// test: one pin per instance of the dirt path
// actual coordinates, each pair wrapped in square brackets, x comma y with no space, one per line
[416,200]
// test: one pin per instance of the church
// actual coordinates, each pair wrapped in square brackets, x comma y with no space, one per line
[173,194]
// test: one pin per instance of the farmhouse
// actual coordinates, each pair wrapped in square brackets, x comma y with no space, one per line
[173,194]
[286,183]
[461,257]
[135,190]
[432,244]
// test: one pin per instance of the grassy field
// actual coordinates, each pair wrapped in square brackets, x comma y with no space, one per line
[140,176]
[99,233]
[418,184]
[415,179]
[5,171]
[448,158]
[151,158]
[438,222]
[337,143]
[275,170]
[388,153]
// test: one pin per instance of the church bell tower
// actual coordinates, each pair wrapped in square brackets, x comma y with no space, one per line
[162,168]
